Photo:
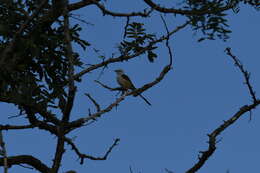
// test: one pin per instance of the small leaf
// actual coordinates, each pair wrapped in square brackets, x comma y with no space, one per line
[151,56]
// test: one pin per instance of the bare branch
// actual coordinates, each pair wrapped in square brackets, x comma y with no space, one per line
[115,14]
[165,70]
[202,11]
[37,123]
[244,72]
[26,159]
[85,156]
[81,121]
[167,40]
[213,135]
[93,101]
[110,88]
[16,127]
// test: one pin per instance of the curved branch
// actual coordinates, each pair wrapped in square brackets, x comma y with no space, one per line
[245,73]
[213,135]
[78,5]
[115,14]
[185,12]
[85,156]
[26,159]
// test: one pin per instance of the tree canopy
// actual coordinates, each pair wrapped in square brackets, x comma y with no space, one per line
[41,70]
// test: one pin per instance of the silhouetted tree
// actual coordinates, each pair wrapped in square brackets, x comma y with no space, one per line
[37,64]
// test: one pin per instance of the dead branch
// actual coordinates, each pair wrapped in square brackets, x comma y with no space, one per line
[85,156]
[93,101]
[213,136]
[245,73]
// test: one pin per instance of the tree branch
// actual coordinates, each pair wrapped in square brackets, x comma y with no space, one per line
[114,14]
[37,109]
[69,56]
[213,135]
[127,57]
[71,95]
[85,156]
[26,159]
[245,73]
[80,122]
[16,127]
[110,88]
[203,11]
[93,101]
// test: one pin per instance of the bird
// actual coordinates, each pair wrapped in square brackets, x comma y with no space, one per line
[125,82]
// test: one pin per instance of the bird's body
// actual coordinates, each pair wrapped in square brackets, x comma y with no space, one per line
[125,82]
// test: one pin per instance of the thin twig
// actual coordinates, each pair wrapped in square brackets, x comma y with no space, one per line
[245,73]
[110,88]
[93,101]
[167,40]
[85,156]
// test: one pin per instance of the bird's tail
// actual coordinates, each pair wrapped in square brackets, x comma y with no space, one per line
[145,100]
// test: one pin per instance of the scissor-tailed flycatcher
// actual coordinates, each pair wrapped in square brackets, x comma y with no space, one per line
[125,82]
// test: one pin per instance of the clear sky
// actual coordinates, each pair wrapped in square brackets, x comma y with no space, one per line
[203,89]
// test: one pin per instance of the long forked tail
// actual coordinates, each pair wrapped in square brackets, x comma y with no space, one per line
[145,100]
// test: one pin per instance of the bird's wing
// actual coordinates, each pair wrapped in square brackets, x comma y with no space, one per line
[125,77]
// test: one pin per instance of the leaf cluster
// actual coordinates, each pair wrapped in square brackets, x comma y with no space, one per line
[214,25]
[36,70]
[137,39]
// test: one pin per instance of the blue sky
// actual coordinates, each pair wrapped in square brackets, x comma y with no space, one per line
[203,89]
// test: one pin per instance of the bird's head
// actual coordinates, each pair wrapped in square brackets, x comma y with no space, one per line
[119,71]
